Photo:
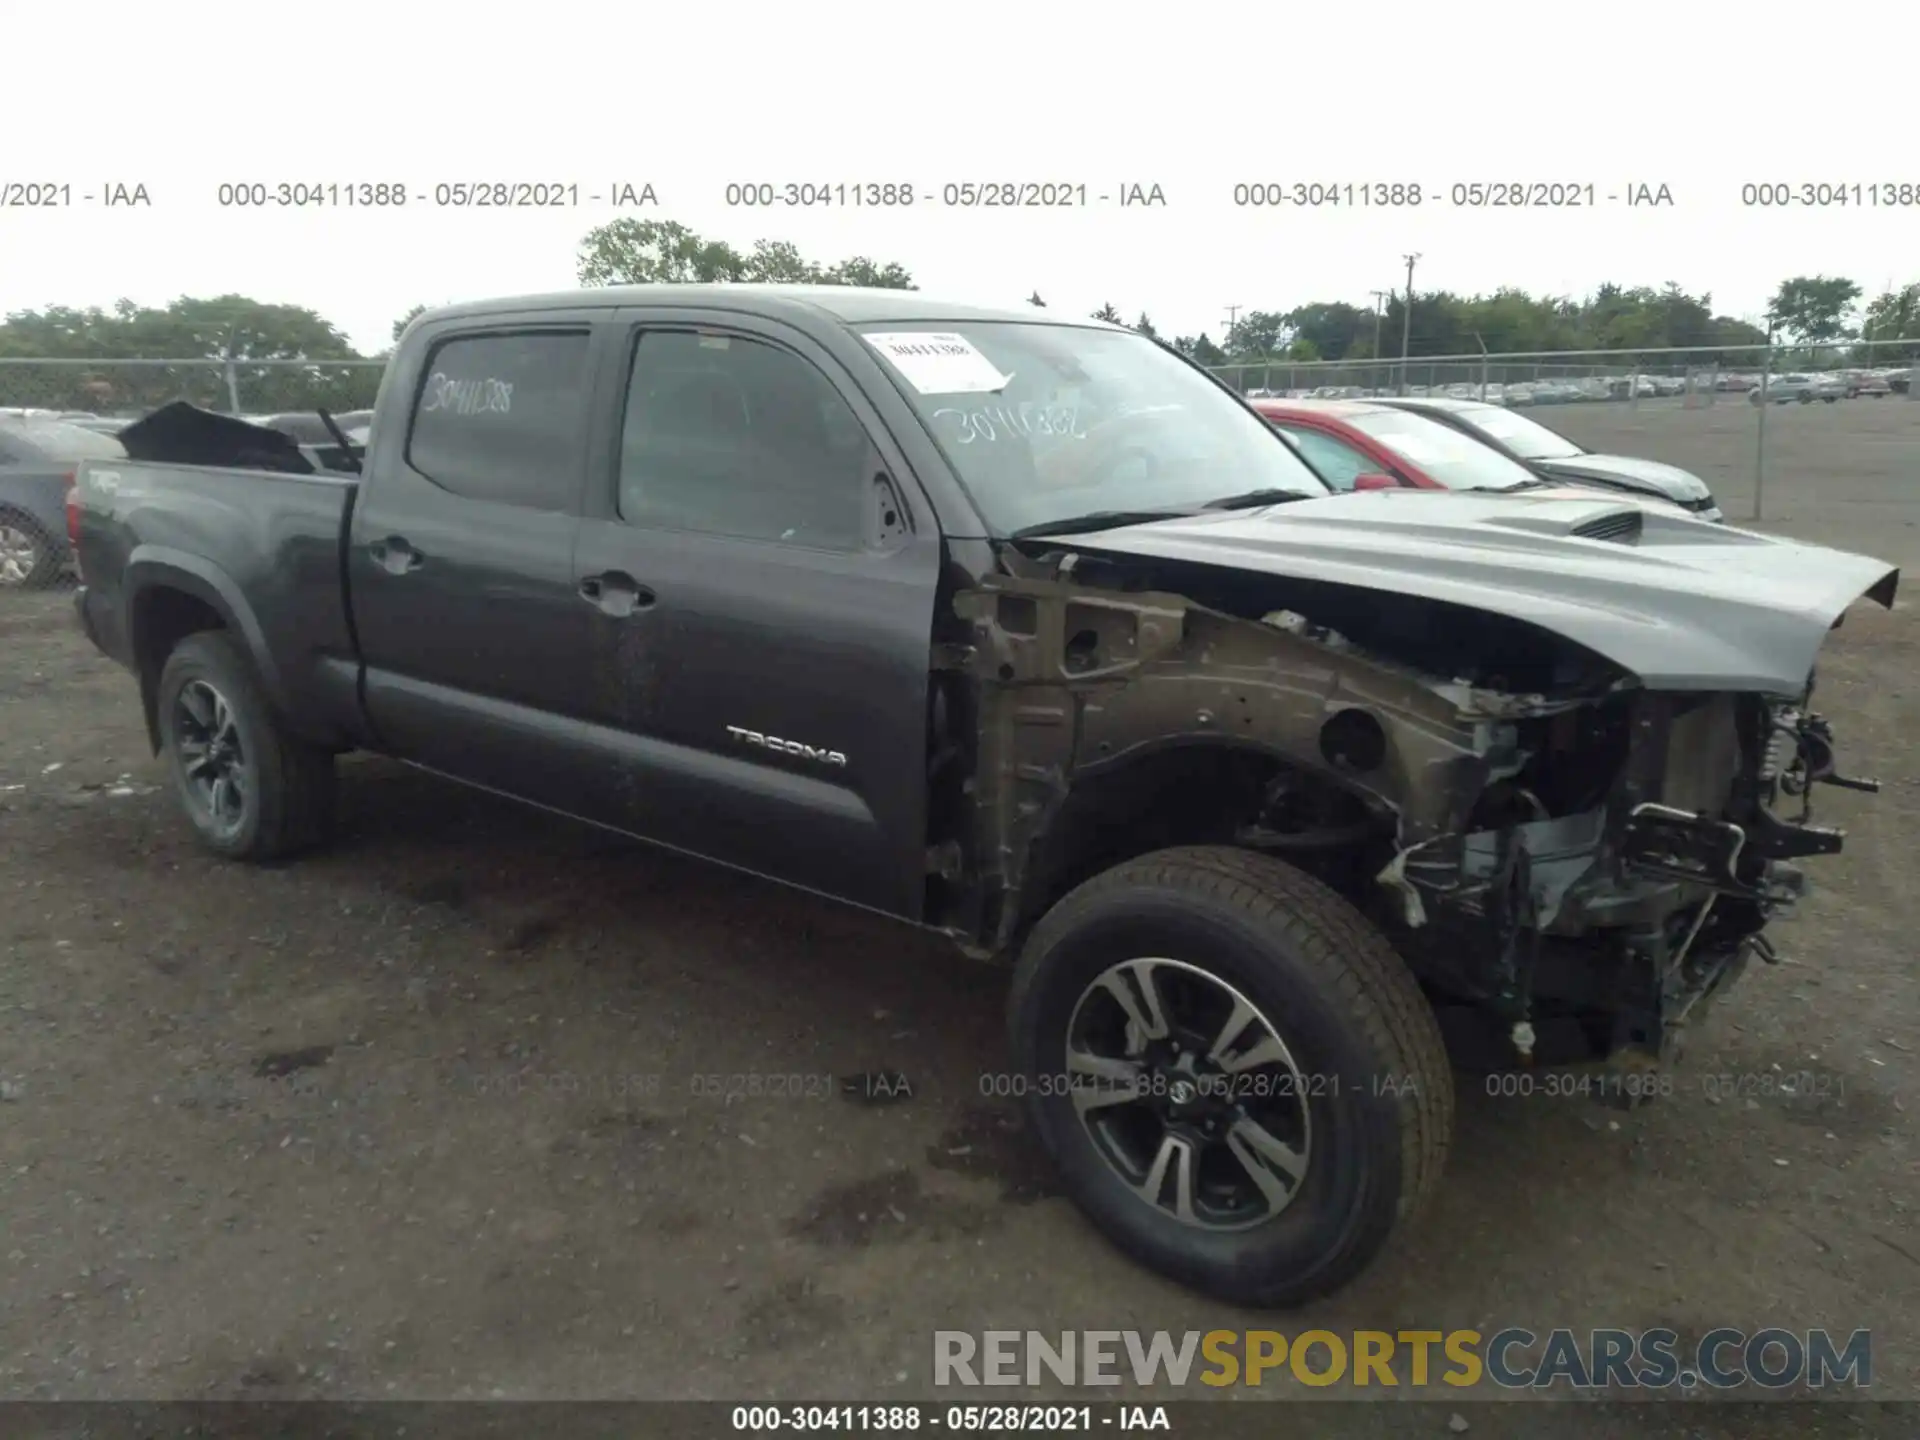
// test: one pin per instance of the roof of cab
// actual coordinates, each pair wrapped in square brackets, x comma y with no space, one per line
[848,304]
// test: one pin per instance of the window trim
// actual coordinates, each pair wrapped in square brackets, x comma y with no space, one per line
[638,327]
[499,328]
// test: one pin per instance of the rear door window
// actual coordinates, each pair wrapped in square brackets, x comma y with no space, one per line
[502,417]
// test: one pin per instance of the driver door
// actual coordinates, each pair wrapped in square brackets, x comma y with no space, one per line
[758,575]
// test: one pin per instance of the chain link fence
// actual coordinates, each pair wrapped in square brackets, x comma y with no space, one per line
[55,413]
[1779,432]
[1564,377]
[1837,424]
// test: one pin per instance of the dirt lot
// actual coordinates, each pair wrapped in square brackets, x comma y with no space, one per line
[423,1116]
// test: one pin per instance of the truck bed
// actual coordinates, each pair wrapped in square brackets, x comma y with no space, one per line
[264,549]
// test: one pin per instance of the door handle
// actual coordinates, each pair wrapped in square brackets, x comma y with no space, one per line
[616,593]
[395,555]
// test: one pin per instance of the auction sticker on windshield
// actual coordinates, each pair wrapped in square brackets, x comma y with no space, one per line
[939,364]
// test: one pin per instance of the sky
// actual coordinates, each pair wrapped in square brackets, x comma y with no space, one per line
[188,98]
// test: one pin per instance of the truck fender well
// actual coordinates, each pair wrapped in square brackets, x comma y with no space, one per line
[152,571]
[1103,711]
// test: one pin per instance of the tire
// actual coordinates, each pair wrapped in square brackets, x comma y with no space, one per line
[29,558]
[211,704]
[1370,1093]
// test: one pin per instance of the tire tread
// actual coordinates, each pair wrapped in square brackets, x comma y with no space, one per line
[1358,968]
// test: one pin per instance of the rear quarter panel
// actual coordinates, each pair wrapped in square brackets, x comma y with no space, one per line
[263,550]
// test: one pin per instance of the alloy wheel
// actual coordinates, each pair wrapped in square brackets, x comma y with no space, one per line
[19,555]
[1189,1094]
[214,762]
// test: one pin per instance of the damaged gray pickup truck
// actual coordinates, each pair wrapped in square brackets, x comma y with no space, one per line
[1028,631]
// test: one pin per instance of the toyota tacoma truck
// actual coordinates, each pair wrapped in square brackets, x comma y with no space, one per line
[1028,631]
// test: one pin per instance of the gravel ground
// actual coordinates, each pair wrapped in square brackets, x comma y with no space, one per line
[423,1116]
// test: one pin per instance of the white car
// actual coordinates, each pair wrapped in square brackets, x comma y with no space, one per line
[1805,389]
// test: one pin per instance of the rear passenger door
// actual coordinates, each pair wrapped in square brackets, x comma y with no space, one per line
[460,558]
[763,569]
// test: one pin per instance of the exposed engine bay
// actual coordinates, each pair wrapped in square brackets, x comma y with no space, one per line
[1546,840]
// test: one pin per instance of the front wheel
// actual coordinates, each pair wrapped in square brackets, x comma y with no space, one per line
[252,791]
[1239,1080]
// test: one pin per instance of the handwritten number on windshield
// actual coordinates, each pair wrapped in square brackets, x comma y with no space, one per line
[997,422]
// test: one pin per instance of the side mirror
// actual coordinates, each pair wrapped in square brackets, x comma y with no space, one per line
[1375,482]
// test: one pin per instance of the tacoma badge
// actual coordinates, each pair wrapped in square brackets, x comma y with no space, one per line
[787,747]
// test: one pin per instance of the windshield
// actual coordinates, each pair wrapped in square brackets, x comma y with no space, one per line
[1528,439]
[1044,422]
[1455,460]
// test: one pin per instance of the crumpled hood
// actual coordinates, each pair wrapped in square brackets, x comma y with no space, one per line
[1690,606]
[1629,470]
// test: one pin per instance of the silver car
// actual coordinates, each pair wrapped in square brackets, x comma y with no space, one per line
[1804,389]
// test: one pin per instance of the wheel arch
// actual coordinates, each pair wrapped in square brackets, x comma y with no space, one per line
[1179,791]
[171,594]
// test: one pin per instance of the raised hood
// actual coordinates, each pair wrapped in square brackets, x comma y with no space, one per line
[1630,471]
[1680,603]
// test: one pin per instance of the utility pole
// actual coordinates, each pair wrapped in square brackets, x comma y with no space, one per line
[1406,323]
[1380,298]
[1406,326]
[1233,318]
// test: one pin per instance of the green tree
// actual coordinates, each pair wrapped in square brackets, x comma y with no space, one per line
[1814,308]
[1108,314]
[1257,335]
[1034,299]
[1145,327]
[1201,349]
[400,325]
[859,270]
[1894,315]
[214,331]
[653,252]
[1334,328]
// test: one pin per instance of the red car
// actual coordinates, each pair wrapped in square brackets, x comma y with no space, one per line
[1356,445]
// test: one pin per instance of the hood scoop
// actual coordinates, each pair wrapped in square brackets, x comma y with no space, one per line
[1623,527]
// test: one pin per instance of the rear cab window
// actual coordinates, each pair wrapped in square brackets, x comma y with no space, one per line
[501,416]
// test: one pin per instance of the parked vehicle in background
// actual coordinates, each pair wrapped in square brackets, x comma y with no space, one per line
[1550,454]
[1369,445]
[1735,384]
[1797,388]
[38,460]
[1900,380]
[1867,384]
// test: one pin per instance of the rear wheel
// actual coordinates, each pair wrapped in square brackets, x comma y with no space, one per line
[1240,1081]
[252,791]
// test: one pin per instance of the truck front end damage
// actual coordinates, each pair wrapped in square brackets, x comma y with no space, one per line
[1553,846]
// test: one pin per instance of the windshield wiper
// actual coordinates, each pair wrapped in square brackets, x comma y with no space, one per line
[1249,499]
[1097,520]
